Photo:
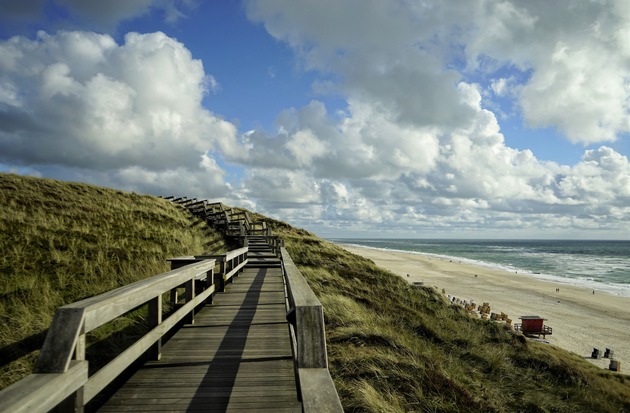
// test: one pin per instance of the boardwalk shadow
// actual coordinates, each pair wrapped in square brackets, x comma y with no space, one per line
[221,375]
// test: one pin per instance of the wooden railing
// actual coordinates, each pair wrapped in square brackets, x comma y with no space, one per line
[306,317]
[61,373]
[233,222]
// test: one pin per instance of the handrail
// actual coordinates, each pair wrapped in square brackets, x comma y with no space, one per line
[306,317]
[235,223]
[60,374]
[229,264]
[38,392]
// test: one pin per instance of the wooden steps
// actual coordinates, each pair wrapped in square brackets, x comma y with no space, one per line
[261,255]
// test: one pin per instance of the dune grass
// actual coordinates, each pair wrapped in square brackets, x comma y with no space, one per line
[61,242]
[397,348]
[392,347]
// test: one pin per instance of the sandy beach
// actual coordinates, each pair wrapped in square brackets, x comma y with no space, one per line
[580,319]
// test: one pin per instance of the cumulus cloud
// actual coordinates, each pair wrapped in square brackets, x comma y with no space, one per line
[415,141]
[578,54]
[390,66]
[80,100]
[416,147]
[463,176]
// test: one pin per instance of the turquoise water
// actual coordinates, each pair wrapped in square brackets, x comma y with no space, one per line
[600,265]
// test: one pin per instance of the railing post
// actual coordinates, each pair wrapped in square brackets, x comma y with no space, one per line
[155,319]
[64,341]
[276,246]
[235,262]
[317,389]
[174,298]
[189,295]
[219,281]
[79,355]
[75,403]
[209,284]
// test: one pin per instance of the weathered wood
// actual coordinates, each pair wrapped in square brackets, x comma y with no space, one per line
[105,307]
[234,271]
[189,318]
[104,376]
[237,356]
[155,319]
[318,391]
[61,339]
[40,392]
[307,316]
[311,343]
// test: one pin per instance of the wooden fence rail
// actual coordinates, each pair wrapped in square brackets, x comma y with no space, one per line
[306,317]
[61,375]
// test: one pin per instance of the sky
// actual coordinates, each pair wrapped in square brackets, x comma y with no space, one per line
[349,118]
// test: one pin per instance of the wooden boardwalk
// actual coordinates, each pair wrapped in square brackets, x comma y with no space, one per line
[235,357]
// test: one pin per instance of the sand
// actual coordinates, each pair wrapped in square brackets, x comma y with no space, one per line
[580,319]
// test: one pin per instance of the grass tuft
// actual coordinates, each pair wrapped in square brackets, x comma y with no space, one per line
[397,348]
[61,242]
[391,347]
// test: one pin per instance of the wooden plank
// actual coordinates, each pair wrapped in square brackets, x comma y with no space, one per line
[299,288]
[234,271]
[41,392]
[184,407]
[237,356]
[61,340]
[318,392]
[109,372]
[105,307]
[307,315]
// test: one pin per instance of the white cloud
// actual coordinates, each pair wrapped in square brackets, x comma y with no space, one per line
[279,188]
[416,141]
[417,148]
[80,100]
[577,53]
[578,57]
[305,147]
[371,172]
[502,86]
[581,92]
[206,179]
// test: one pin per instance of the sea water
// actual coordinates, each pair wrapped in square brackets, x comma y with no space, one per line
[598,265]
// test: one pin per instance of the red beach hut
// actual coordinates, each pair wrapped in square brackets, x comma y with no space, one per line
[533,324]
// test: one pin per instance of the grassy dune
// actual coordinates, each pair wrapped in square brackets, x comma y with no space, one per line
[392,348]
[61,242]
[396,348]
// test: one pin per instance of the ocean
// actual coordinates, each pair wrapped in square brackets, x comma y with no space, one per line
[598,265]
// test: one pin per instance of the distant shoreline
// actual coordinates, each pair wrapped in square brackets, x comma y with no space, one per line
[581,320]
[622,290]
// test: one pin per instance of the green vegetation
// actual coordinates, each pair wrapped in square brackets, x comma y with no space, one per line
[397,348]
[392,347]
[61,242]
